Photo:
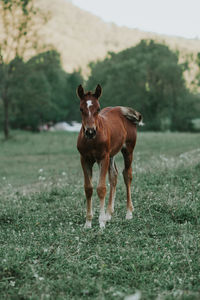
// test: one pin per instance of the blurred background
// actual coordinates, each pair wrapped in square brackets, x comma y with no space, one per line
[145,54]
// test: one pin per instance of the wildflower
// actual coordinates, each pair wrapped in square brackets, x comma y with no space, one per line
[12,283]
[136,296]
[41,278]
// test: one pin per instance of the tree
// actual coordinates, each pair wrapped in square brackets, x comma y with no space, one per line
[73,80]
[42,92]
[147,77]
[30,92]
[19,39]
[49,63]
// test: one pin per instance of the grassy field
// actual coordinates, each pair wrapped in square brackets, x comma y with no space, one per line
[47,254]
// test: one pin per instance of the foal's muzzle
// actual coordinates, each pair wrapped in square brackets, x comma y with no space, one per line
[90,133]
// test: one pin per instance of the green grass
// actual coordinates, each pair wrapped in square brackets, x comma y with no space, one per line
[47,254]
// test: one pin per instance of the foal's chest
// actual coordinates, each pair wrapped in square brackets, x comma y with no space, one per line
[92,150]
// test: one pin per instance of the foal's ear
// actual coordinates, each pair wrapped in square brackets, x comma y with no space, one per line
[98,91]
[80,91]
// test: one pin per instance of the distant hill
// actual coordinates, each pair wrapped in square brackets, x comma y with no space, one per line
[81,37]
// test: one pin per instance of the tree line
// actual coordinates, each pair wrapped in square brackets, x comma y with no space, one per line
[40,91]
[147,77]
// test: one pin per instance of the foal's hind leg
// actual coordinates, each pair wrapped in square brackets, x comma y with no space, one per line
[113,182]
[87,171]
[101,189]
[127,173]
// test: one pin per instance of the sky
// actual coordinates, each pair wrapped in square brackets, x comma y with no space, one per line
[171,17]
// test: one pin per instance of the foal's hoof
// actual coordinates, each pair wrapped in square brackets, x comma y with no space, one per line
[108,216]
[129,215]
[102,224]
[88,224]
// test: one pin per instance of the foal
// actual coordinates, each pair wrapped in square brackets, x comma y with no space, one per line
[103,134]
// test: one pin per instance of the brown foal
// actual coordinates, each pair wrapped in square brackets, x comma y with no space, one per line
[103,134]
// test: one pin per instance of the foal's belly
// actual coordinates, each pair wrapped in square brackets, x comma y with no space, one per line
[115,148]
[117,139]
[98,151]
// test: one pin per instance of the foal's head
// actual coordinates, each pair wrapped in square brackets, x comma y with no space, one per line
[89,107]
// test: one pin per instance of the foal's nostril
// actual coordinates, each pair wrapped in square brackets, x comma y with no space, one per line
[90,133]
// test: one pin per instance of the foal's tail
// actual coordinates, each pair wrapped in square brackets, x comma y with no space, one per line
[134,116]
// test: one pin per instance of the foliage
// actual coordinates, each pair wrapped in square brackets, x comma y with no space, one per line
[148,78]
[41,91]
[45,251]
[20,23]
[90,38]
[20,29]
[73,80]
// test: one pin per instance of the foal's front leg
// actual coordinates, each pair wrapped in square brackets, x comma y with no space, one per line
[101,189]
[87,171]
[113,182]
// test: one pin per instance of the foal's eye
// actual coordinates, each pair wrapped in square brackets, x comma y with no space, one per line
[81,109]
[98,110]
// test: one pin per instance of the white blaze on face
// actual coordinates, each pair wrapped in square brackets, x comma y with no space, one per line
[89,103]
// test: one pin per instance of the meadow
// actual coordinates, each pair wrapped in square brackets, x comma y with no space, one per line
[47,254]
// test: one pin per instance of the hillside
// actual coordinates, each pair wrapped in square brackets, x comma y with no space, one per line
[81,37]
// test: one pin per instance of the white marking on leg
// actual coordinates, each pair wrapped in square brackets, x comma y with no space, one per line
[88,224]
[129,215]
[113,201]
[102,218]
[108,216]
[102,225]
